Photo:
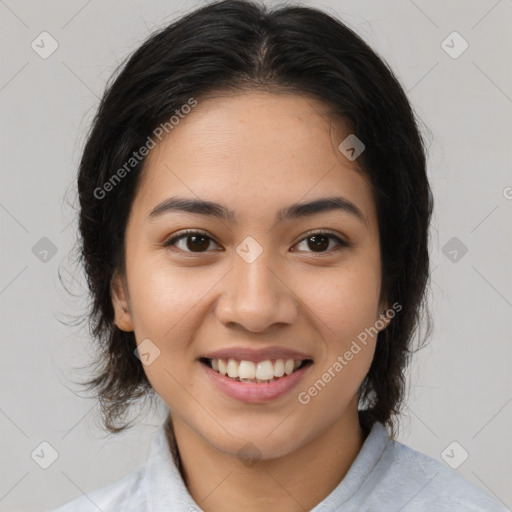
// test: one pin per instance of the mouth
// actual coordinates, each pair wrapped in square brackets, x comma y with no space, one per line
[259,372]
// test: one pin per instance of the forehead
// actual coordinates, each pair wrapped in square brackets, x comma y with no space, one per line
[255,152]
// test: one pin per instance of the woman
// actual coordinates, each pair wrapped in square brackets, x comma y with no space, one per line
[254,228]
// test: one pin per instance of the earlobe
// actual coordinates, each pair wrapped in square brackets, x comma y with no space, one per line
[122,316]
[384,318]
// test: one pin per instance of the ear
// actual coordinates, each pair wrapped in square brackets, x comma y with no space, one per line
[382,317]
[122,314]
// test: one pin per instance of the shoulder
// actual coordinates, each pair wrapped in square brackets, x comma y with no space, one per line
[428,484]
[125,495]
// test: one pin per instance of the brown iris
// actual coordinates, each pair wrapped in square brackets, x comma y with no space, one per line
[197,242]
[318,241]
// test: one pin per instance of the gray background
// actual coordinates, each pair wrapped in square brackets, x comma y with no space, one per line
[460,384]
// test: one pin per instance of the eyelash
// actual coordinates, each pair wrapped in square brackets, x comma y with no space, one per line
[169,243]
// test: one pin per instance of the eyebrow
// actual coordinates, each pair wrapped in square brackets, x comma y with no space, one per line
[291,212]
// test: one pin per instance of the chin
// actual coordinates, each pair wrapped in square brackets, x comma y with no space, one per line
[263,440]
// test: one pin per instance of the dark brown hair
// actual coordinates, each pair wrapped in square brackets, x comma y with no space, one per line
[237,45]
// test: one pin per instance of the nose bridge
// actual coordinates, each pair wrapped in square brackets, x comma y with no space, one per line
[255,295]
[254,274]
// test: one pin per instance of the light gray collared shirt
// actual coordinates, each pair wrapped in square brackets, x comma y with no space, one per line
[386,476]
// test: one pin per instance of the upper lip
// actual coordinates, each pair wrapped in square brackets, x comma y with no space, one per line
[256,355]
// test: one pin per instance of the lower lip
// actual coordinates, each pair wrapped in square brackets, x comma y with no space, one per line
[252,392]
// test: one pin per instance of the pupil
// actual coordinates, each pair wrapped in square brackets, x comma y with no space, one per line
[198,242]
[319,241]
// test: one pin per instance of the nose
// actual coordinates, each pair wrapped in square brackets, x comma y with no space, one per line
[256,295]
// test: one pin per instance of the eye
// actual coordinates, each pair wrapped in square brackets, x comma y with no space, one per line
[194,241]
[319,241]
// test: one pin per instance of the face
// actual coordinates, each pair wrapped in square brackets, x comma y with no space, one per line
[265,284]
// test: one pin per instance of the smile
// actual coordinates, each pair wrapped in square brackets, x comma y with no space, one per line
[253,382]
[246,371]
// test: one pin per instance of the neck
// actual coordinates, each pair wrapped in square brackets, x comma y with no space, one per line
[295,482]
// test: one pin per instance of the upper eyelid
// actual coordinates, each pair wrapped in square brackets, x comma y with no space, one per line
[319,231]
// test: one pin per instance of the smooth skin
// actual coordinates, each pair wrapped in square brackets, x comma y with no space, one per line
[255,153]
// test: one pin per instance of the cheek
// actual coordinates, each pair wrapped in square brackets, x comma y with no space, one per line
[167,309]
[343,310]
[343,302]
[163,296]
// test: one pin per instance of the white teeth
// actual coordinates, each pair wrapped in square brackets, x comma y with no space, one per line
[265,370]
[222,366]
[279,368]
[232,368]
[249,371]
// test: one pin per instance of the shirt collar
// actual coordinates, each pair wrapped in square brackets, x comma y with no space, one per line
[368,457]
[165,489]
[163,485]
